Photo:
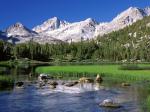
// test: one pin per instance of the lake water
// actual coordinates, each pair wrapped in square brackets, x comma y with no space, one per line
[80,98]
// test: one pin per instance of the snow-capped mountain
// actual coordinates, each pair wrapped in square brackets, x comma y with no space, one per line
[50,25]
[127,17]
[56,30]
[147,11]
[88,28]
[19,30]
[75,31]
[18,33]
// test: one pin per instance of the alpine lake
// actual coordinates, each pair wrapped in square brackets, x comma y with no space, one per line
[133,95]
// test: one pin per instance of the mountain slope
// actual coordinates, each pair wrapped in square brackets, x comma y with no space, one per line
[75,31]
[132,42]
[50,25]
[19,30]
[127,17]
[55,29]
[18,33]
[88,28]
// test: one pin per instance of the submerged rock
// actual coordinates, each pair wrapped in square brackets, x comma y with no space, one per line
[53,83]
[109,103]
[86,80]
[43,77]
[125,84]
[41,84]
[19,84]
[98,79]
[52,86]
[70,84]
[62,83]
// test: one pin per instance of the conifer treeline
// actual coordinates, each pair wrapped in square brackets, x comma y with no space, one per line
[131,43]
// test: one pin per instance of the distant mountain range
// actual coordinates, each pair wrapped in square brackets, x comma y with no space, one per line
[56,30]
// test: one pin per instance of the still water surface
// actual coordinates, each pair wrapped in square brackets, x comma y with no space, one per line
[81,98]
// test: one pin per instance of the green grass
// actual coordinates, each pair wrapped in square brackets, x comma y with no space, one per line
[105,70]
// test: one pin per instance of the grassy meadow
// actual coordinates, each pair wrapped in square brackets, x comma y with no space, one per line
[129,72]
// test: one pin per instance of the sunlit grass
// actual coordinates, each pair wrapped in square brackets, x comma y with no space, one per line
[105,70]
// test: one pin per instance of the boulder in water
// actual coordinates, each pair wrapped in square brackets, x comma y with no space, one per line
[19,84]
[41,84]
[52,86]
[125,84]
[98,78]
[53,83]
[70,84]
[43,77]
[109,103]
[86,80]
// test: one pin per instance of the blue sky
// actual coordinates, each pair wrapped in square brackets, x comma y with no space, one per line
[34,12]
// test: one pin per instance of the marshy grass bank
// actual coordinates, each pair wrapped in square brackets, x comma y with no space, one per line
[127,72]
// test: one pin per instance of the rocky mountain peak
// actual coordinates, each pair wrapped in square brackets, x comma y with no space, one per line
[18,25]
[132,13]
[92,21]
[54,28]
[147,11]
[18,29]
[50,25]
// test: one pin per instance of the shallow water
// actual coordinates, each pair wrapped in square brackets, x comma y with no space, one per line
[80,98]
[33,99]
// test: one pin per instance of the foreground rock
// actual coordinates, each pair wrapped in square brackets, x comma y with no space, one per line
[52,86]
[70,84]
[19,84]
[98,79]
[86,80]
[41,84]
[54,83]
[109,103]
[43,77]
[125,84]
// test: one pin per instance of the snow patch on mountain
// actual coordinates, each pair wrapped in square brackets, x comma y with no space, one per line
[75,31]
[19,30]
[56,30]
[147,11]
[127,17]
[50,25]
[18,33]
[88,29]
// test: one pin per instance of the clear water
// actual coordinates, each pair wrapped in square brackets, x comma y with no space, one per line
[31,99]
[81,98]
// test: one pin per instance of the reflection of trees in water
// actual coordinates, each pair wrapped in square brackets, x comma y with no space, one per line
[22,71]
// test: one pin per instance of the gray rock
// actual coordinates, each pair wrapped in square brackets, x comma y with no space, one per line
[53,83]
[125,84]
[98,79]
[19,84]
[70,84]
[52,86]
[86,80]
[109,103]
[43,77]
